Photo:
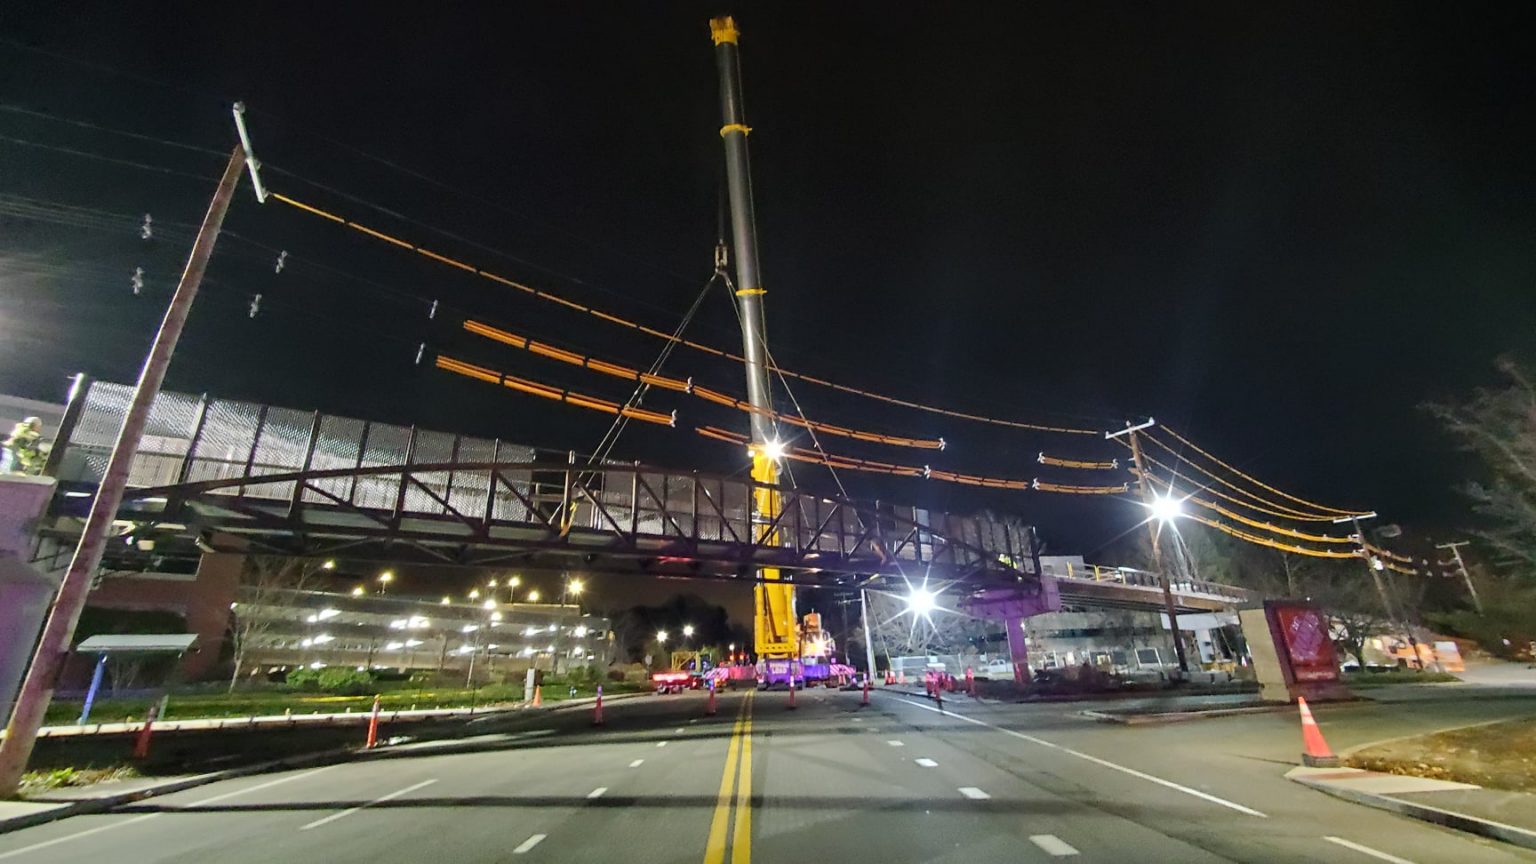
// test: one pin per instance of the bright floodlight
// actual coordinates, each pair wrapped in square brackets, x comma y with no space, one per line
[773,449]
[533,596]
[661,636]
[1166,508]
[575,586]
[921,601]
[687,629]
[515,581]
[489,604]
[358,591]
[328,565]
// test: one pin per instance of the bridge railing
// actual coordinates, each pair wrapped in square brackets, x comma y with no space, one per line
[1133,578]
[257,454]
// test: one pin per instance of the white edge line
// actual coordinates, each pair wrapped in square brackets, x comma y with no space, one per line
[528,844]
[382,798]
[1366,850]
[77,835]
[1096,760]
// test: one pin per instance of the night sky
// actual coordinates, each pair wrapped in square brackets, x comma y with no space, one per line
[1277,229]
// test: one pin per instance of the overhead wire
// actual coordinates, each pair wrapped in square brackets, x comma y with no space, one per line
[1255,481]
[86,124]
[112,159]
[1078,463]
[546,391]
[625,322]
[1253,523]
[1264,505]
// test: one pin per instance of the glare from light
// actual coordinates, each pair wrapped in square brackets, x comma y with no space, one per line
[491,584]
[1166,508]
[474,594]
[495,616]
[575,586]
[469,628]
[358,591]
[773,449]
[327,614]
[533,596]
[580,631]
[921,602]
[488,605]
[387,577]
[515,581]
[687,630]
[328,565]
[661,637]
[445,601]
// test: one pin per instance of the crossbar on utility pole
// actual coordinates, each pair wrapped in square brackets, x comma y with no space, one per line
[1461,566]
[1147,496]
[53,647]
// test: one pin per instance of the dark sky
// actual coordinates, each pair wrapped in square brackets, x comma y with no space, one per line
[1276,228]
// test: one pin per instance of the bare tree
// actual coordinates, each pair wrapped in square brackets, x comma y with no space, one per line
[1499,427]
[263,584]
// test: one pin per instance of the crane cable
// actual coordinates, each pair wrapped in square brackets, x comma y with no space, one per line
[1255,481]
[651,331]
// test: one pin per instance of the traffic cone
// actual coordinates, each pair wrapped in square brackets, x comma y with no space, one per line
[597,708]
[538,697]
[791,692]
[1315,752]
[866,691]
[709,707]
[373,726]
[141,743]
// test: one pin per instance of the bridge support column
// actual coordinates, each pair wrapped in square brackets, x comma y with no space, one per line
[1013,605]
[1018,651]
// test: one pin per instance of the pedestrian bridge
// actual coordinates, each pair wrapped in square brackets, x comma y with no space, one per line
[231,475]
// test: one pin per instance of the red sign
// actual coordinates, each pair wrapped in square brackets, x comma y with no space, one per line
[1308,646]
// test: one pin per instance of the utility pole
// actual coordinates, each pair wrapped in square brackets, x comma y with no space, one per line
[1154,525]
[1461,567]
[1374,566]
[774,600]
[53,647]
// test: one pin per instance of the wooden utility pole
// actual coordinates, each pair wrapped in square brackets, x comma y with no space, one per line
[1148,498]
[1461,566]
[53,647]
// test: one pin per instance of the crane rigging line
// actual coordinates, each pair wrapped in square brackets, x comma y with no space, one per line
[651,331]
[681,385]
[1255,481]
[1278,508]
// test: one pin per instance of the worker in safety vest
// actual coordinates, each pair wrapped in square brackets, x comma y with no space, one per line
[24,448]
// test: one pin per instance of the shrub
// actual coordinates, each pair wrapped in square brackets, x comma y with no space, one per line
[303,678]
[615,674]
[345,682]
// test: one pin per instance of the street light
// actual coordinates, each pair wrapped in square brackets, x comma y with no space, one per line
[488,605]
[446,600]
[330,564]
[474,594]
[661,637]
[575,586]
[533,596]
[359,591]
[921,602]
[385,578]
[687,630]
[1166,508]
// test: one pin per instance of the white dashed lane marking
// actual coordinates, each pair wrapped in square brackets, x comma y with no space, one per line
[379,800]
[528,844]
[973,793]
[1053,845]
[1366,850]
[895,743]
[598,792]
[637,763]
[926,763]
[661,743]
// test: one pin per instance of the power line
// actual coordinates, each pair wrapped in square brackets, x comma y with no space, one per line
[97,156]
[86,124]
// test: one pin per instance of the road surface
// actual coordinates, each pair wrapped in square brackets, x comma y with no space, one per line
[830,781]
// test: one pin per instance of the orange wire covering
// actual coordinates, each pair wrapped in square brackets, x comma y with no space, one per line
[1275,529]
[688,386]
[698,346]
[1078,463]
[868,465]
[1265,541]
[1081,490]
[1294,515]
[1254,480]
[481,373]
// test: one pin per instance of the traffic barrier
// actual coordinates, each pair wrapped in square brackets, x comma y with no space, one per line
[597,708]
[709,707]
[538,697]
[1315,752]
[373,726]
[141,743]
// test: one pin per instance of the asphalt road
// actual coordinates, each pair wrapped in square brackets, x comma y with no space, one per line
[829,781]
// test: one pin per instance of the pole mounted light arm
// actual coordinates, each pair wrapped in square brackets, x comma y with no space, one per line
[250,155]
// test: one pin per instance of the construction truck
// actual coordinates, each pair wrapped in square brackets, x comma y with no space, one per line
[812,662]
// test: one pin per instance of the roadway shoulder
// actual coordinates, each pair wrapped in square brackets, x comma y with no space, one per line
[1439,802]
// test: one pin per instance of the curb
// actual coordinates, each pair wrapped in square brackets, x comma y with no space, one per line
[1180,716]
[109,802]
[1445,818]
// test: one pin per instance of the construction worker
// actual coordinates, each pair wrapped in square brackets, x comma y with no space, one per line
[24,448]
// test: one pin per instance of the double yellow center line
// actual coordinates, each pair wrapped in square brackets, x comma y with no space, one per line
[735,788]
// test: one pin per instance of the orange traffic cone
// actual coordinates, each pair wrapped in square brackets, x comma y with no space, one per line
[1315,752]
[709,709]
[597,708]
[373,726]
[538,696]
[866,692]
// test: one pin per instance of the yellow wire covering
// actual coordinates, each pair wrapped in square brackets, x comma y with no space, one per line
[1275,529]
[1080,490]
[615,319]
[1283,512]
[1255,481]
[1265,541]
[682,386]
[481,373]
[868,465]
[1078,463]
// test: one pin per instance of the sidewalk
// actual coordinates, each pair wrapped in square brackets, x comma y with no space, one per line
[1506,816]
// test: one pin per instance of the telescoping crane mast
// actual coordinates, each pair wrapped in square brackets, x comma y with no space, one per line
[776,639]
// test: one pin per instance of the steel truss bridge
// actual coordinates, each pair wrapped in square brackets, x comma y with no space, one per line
[237,476]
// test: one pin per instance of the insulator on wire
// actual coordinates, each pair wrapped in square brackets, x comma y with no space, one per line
[147,231]
[255,305]
[420,350]
[282,261]
[137,281]
[432,313]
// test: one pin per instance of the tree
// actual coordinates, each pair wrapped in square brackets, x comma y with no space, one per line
[1499,427]
[264,583]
